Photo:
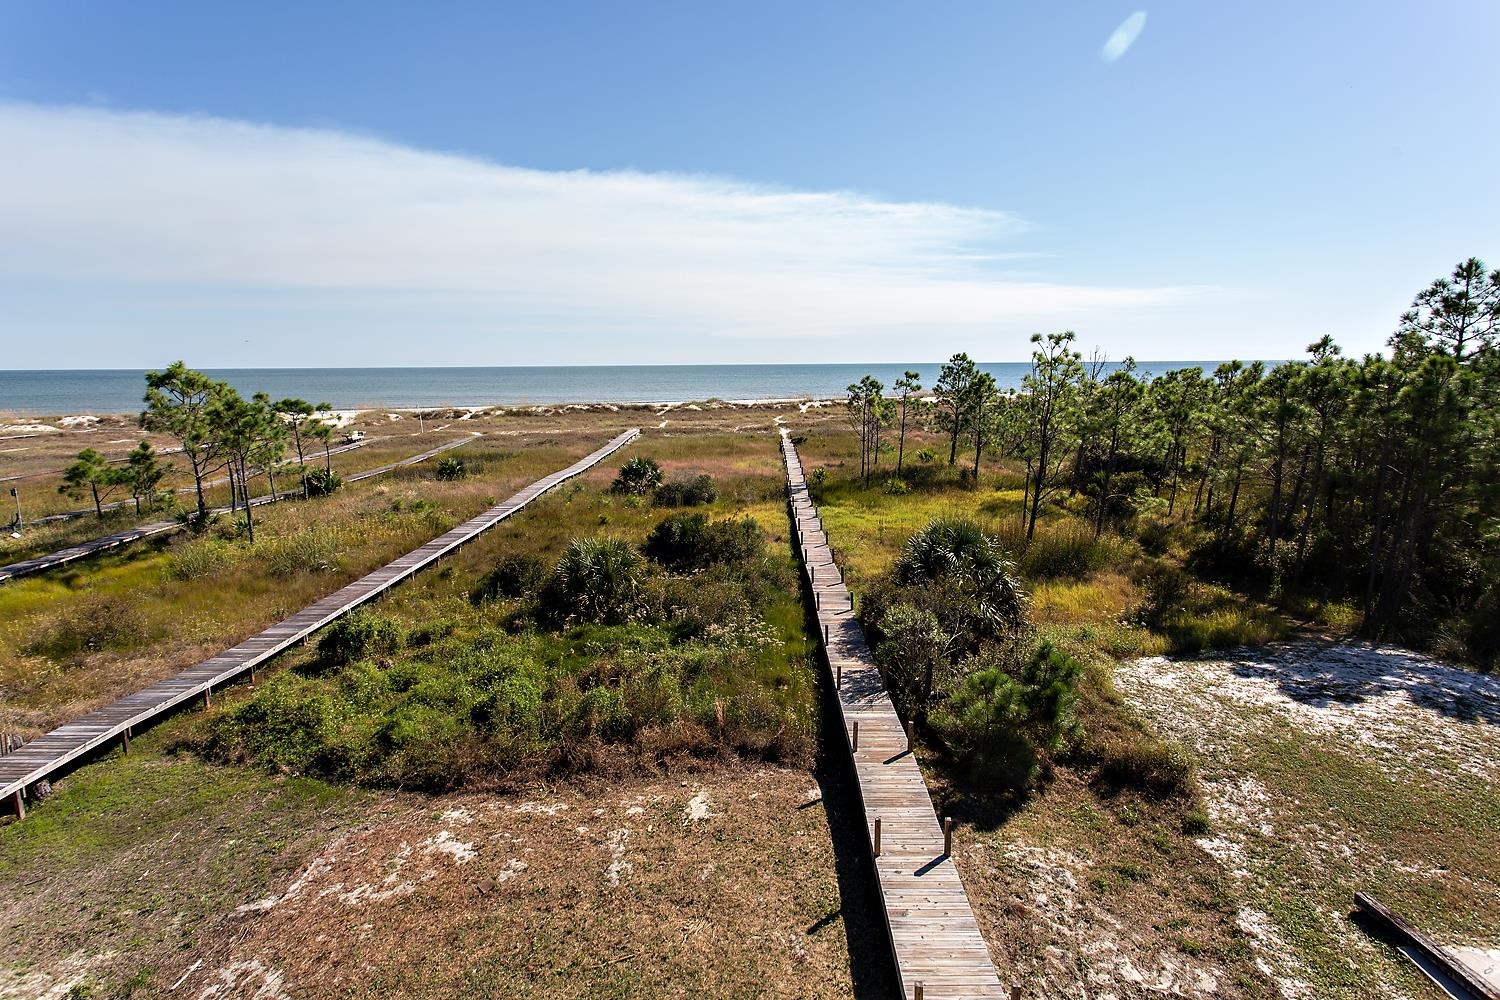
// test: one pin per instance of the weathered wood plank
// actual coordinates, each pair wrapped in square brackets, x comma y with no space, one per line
[934,935]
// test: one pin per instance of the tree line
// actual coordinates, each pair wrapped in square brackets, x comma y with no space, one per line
[1371,480]
[221,433]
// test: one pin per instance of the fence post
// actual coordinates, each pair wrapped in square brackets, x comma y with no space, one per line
[877,836]
[947,836]
[854,738]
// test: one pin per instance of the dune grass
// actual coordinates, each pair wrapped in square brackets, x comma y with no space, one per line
[196,595]
[468,691]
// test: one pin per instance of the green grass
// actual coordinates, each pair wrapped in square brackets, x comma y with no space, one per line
[202,594]
[484,693]
[95,878]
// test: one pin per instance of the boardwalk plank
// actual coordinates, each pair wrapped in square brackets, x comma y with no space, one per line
[933,932]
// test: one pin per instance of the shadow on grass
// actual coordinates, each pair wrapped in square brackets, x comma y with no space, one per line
[972,806]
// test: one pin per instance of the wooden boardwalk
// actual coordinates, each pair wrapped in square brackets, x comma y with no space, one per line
[937,943]
[47,754]
[73,553]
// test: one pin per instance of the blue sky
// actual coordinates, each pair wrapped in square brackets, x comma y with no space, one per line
[600,183]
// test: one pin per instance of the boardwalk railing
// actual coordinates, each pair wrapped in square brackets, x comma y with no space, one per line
[73,553]
[938,948]
[47,754]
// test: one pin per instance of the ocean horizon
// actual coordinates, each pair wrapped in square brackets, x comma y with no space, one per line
[99,391]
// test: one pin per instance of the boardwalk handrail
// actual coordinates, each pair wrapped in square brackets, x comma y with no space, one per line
[73,553]
[938,947]
[47,754]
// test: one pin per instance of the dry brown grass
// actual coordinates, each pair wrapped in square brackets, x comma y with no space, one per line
[721,881]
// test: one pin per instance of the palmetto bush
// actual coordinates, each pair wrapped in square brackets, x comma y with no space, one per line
[694,492]
[637,477]
[956,552]
[597,580]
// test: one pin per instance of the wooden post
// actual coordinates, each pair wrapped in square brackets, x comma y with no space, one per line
[916,992]
[818,599]
[838,676]
[125,742]
[909,727]
[19,799]
[854,738]
[947,836]
[877,836]
[825,635]
[207,698]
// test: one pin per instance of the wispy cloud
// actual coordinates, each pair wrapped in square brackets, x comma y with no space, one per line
[1124,37]
[92,197]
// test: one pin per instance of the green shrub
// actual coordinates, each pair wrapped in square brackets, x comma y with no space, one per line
[322,482]
[637,477]
[196,522]
[1195,822]
[1000,718]
[957,552]
[1168,590]
[597,580]
[358,635]
[686,542]
[1233,556]
[451,468]
[284,727]
[912,654]
[514,576]
[695,492]
[1155,535]
[600,713]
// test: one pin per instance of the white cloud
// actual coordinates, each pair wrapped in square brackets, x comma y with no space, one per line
[92,198]
[1124,37]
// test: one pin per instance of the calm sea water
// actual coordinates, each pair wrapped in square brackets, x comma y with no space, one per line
[119,391]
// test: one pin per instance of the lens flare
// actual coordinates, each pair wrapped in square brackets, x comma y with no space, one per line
[1124,37]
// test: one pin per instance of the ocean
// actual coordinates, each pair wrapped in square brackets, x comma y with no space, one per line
[59,393]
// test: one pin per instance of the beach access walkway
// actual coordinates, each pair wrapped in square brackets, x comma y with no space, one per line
[73,553]
[939,950]
[48,754]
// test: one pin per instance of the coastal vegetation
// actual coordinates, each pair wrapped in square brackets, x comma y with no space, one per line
[667,635]
[1363,491]
[1014,555]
